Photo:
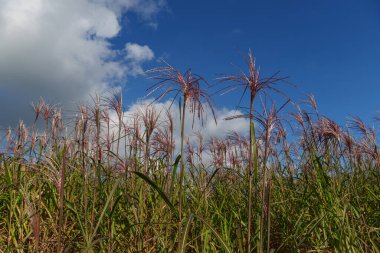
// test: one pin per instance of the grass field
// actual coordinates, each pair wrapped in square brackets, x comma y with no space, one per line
[100,183]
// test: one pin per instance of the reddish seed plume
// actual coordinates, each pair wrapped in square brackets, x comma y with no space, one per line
[38,108]
[357,124]
[170,80]
[328,128]
[312,102]
[251,81]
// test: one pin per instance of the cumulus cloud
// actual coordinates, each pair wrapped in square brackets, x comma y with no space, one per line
[60,50]
[136,55]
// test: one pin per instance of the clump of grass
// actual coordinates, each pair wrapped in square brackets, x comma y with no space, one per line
[188,86]
[107,181]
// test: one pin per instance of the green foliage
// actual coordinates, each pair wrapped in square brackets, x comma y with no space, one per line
[325,213]
[90,191]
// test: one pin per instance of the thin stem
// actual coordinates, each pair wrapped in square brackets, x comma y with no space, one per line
[61,199]
[269,220]
[182,170]
[252,167]
[262,218]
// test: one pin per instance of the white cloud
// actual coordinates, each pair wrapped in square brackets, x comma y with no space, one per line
[146,8]
[59,50]
[136,55]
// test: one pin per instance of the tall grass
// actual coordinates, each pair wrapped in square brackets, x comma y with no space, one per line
[103,181]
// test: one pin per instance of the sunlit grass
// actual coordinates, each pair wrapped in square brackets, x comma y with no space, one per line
[99,183]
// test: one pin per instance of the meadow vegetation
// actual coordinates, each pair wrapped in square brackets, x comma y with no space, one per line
[295,182]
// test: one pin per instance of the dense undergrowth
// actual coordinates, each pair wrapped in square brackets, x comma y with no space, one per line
[111,185]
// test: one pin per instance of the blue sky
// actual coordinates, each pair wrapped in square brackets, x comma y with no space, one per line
[328,48]
[66,50]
